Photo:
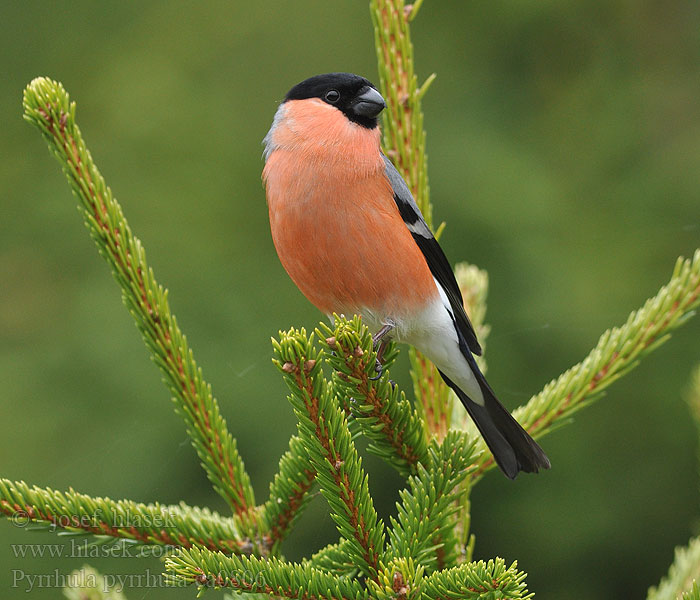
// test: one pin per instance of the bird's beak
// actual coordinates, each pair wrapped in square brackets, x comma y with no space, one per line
[369,103]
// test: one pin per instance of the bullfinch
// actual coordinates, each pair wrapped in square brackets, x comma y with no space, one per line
[350,235]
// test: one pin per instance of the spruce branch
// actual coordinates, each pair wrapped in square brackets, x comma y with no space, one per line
[48,107]
[431,528]
[693,593]
[384,414]
[477,580]
[152,524]
[324,431]
[334,558]
[401,579]
[618,351]
[404,135]
[423,530]
[435,398]
[249,574]
[682,575]
[289,492]
[404,144]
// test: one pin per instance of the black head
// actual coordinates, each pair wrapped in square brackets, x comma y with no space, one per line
[354,96]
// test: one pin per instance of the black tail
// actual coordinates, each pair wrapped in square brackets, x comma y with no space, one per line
[512,447]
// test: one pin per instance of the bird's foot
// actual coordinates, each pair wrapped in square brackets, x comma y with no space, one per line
[378,369]
[377,338]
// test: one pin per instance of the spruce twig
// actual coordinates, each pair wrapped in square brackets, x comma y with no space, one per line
[152,524]
[401,579]
[324,431]
[48,107]
[682,575]
[477,580]
[289,492]
[693,593]
[212,551]
[404,144]
[384,414]
[249,574]
[404,135]
[618,351]
[423,529]
[334,558]
[435,398]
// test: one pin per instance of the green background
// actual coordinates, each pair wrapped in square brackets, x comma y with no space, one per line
[564,155]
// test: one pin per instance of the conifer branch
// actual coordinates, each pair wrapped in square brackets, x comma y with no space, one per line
[384,414]
[432,523]
[249,574]
[682,575]
[477,580]
[435,399]
[402,578]
[335,559]
[618,351]
[48,107]
[693,593]
[423,529]
[404,144]
[153,524]
[404,135]
[289,492]
[324,431]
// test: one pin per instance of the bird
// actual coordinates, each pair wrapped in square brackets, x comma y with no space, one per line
[352,238]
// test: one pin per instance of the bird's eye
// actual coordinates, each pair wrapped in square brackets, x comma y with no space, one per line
[332,96]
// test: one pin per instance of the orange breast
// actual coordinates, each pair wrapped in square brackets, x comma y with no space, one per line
[338,232]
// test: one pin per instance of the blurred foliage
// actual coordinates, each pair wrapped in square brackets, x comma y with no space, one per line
[564,154]
[681,577]
[87,584]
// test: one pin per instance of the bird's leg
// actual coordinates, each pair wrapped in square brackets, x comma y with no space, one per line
[378,338]
[386,328]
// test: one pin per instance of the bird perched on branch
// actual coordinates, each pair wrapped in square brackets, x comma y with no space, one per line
[352,238]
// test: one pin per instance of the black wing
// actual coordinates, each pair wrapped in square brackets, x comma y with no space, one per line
[434,256]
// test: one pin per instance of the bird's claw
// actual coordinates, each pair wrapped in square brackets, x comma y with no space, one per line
[377,339]
[378,369]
